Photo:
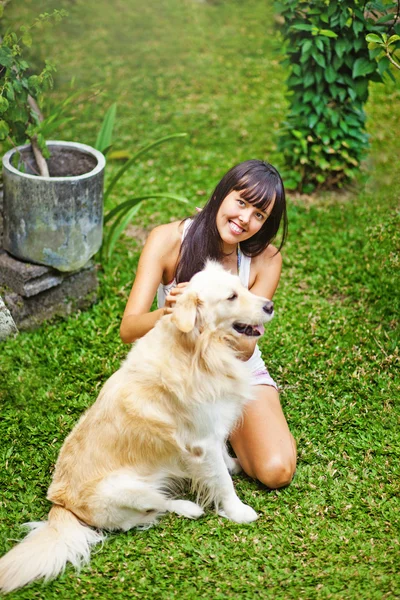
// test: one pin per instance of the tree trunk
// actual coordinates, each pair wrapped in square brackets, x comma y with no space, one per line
[40,160]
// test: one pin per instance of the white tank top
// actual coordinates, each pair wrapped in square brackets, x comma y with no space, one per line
[244,271]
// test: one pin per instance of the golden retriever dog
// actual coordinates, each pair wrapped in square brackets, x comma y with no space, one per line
[163,417]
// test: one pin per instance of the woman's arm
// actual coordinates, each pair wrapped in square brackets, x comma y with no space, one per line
[159,253]
[268,268]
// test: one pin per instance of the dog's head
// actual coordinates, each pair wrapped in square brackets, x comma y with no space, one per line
[216,299]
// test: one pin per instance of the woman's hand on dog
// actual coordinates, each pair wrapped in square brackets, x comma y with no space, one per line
[172,297]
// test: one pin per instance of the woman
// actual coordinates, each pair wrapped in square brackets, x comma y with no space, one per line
[235,227]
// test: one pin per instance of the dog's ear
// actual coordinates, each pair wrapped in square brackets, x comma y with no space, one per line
[184,315]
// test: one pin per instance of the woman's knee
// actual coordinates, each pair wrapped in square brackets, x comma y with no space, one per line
[275,472]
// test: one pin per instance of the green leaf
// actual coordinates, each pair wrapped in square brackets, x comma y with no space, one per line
[4,129]
[290,184]
[4,104]
[319,59]
[296,69]
[309,95]
[352,93]
[314,11]
[302,27]
[6,59]
[384,18]
[376,39]
[312,120]
[359,43]
[297,134]
[27,39]
[334,118]
[332,6]
[308,79]
[126,166]
[10,91]
[358,26]
[337,62]
[383,65]
[341,45]
[104,138]
[376,51]
[328,33]
[294,80]
[392,39]
[307,45]
[119,155]
[362,67]
[361,87]
[330,74]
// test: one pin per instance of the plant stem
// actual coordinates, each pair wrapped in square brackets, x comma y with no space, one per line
[392,59]
[40,160]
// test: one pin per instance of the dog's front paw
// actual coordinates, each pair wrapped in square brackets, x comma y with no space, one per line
[185,508]
[233,466]
[238,512]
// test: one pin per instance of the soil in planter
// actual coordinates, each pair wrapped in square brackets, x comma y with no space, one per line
[62,162]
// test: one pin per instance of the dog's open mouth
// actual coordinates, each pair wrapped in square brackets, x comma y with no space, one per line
[250,330]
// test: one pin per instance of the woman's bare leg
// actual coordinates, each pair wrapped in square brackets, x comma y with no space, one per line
[262,441]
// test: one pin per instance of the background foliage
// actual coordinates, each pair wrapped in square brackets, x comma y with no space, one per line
[213,71]
[330,67]
[18,118]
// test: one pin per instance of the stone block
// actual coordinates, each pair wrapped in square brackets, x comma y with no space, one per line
[26,278]
[77,290]
[7,324]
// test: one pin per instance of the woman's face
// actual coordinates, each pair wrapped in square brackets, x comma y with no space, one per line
[238,220]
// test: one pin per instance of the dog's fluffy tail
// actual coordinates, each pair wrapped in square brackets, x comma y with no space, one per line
[46,550]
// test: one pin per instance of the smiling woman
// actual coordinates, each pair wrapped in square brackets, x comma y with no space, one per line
[238,220]
[235,228]
[247,207]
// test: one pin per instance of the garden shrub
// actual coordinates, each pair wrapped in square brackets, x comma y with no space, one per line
[330,66]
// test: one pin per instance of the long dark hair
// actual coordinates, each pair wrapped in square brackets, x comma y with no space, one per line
[258,183]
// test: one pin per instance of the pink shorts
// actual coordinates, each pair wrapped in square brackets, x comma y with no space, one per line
[259,372]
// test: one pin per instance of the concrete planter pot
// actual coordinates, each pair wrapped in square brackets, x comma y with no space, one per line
[58,220]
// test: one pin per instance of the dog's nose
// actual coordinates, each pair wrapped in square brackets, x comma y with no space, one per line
[268,307]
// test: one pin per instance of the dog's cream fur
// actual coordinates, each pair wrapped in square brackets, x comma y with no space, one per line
[164,416]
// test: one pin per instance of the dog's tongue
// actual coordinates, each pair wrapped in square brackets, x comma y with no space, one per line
[259,328]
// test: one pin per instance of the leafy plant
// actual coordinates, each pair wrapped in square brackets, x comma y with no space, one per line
[386,47]
[121,215]
[324,139]
[20,116]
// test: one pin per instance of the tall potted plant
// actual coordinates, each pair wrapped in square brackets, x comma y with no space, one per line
[53,191]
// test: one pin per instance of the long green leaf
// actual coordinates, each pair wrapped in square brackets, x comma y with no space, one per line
[127,210]
[104,137]
[118,227]
[133,201]
[126,166]
[47,128]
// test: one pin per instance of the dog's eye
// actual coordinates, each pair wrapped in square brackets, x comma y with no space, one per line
[233,297]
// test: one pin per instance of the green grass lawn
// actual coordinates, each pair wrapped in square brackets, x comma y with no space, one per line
[212,70]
